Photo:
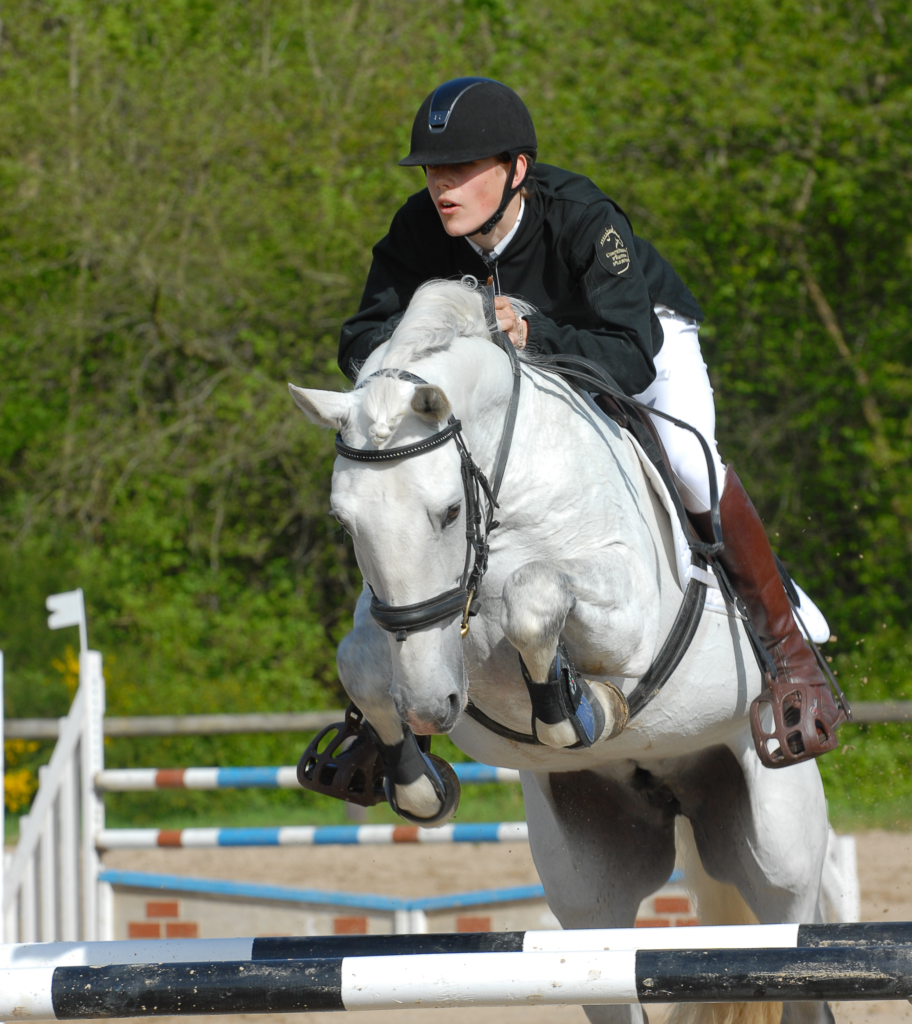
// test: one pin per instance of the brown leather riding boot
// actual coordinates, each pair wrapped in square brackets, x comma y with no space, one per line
[804,716]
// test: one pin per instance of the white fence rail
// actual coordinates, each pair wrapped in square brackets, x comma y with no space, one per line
[51,891]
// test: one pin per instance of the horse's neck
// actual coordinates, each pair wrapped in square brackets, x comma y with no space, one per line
[567,455]
[575,484]
[570,470]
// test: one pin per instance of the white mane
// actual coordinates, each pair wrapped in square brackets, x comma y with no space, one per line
[439,312]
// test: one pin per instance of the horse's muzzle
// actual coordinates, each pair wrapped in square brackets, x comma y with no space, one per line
[438,722]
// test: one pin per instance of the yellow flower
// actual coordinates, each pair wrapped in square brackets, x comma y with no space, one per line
[15,750]
[18,788]
[69,669]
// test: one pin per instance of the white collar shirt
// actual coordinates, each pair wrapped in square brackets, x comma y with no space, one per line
[498,249]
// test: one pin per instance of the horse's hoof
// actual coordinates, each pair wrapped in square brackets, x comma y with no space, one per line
[614,704]
[446,788]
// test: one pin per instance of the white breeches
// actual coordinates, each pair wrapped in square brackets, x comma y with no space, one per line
[682,389]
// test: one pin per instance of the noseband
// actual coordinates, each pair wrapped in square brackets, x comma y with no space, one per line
[407,618]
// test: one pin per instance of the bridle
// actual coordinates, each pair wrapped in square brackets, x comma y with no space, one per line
[408,618]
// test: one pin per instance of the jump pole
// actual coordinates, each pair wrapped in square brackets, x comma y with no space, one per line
[454,979]
[311,835]
[165,951]
[123,780]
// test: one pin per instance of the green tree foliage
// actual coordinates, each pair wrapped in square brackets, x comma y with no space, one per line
[190,191]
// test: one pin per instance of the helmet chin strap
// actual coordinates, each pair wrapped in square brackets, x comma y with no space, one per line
[508,194]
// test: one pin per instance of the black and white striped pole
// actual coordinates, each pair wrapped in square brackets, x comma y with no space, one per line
[77,954]
[457,979]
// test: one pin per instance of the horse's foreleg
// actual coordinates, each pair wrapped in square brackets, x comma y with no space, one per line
[365,670]
[605,606]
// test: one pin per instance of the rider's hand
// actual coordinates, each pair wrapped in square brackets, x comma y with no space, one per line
[516,328]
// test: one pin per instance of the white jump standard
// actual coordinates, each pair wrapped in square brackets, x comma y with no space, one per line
[456,979]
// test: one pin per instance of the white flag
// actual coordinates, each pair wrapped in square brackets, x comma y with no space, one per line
[69,610]
[66,609]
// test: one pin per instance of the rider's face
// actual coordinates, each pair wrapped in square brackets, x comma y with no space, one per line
[467,195]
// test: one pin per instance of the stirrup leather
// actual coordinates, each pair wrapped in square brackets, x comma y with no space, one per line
[565,696]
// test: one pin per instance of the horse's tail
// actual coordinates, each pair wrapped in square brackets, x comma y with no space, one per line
[716,903]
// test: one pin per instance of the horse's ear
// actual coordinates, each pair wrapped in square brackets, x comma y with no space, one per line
[327,408]
[430,403]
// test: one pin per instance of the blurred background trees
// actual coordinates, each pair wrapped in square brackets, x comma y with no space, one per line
[190,191]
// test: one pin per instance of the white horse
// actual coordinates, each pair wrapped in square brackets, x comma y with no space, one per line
[584,554]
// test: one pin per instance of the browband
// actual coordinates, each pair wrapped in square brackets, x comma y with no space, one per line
[403,451]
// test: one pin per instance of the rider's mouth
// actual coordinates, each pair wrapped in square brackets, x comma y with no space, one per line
[447,207]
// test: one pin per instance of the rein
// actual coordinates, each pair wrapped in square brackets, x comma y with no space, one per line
[408,618]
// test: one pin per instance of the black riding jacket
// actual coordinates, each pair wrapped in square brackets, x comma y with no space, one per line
[574,257]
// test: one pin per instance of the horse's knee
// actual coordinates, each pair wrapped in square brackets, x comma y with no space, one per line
[536,600]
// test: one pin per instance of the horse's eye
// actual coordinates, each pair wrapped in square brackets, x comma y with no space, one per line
[452,514]
[333,515]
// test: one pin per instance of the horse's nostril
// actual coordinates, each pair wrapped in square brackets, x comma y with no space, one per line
[453,702]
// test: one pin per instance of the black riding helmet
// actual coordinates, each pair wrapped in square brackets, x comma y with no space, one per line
[469,119]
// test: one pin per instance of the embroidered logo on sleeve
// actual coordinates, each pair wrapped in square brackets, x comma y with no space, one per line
[612,251]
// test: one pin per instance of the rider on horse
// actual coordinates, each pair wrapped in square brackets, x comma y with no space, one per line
[553,239]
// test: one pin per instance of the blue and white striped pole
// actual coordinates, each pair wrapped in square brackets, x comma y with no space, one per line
[311,835]
[123,780]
